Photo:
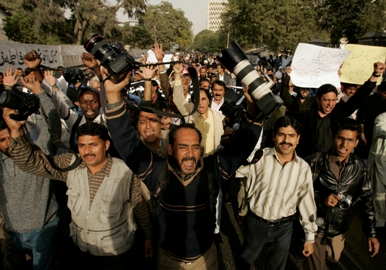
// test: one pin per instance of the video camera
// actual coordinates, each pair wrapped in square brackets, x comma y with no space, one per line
[237,62]
[25,104]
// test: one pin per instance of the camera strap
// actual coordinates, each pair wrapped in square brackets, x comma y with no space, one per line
[196,94]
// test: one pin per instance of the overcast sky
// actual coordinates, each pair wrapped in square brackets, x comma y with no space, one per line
[195,11]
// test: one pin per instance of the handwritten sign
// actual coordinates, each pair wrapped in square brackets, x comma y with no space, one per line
[313,66]
[12,54]
[359,66]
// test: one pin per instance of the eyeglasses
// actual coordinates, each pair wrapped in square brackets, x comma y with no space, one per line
[340,139]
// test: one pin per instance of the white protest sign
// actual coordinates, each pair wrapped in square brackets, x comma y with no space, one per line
[359,66]
[313,66]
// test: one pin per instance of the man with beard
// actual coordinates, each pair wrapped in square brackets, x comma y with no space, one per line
[277,185]
[318,119]
[183,185]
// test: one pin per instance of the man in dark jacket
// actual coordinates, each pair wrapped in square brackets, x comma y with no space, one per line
[340,184]
[182,185]
[317,136]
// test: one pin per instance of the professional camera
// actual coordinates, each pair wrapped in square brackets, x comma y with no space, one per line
[234,114]
[73,75]
[113,57]
[237,62]
[25,104]
[345,201]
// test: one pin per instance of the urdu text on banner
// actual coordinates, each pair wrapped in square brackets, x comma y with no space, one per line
[313,66]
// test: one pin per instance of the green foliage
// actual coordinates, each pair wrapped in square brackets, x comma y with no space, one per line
[47,24]
[168,26]
[207,41]
[351,19]
[279,24]
[139,37]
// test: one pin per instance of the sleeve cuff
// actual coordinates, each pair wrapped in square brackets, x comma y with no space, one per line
[310,237]
[115,110]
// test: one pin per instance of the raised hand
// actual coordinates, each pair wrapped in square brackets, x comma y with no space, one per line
[89,60]
[49,76]
[149,72]
[32,84]
[159,53]
[9,78]
[32,59]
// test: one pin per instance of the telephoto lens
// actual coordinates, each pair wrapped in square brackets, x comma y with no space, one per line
[237,62]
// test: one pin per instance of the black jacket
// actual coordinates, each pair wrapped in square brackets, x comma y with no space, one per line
[354,182]
[308,119]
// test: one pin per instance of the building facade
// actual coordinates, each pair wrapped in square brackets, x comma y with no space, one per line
[213,17]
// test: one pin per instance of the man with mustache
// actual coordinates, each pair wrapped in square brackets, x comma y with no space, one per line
[183,185]
[102,194]
[318,119]
[276,186]
[341,184]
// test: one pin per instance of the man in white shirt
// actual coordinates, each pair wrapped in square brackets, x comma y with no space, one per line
[276,186]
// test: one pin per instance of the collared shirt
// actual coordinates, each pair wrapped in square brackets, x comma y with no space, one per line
[216,107]
[206,127]
[337,166]
[275,191]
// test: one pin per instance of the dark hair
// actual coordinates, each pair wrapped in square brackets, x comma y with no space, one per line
[161,105]
[204,80]
[324,89]
[19,69]
[286,121]
[221,83]
[207,95]
[94,129]
[172,132]
[219,64]
[346,124]
[27,71]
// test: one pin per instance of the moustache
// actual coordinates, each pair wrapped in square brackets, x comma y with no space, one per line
[189,159]
[89,155]
[282,143]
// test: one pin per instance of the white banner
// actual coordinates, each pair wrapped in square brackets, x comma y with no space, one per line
[313,66]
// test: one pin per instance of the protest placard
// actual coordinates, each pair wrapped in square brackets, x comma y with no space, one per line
[313,66]
[359,65]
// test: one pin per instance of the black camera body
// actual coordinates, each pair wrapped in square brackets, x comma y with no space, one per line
[234,114]
[25,104]
[112,56]
[73,75]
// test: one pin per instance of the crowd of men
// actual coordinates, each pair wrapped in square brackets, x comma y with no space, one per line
[105,152]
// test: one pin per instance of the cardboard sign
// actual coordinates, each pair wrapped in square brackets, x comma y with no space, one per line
[359,65]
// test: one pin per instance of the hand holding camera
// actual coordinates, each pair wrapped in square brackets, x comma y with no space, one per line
[14,126]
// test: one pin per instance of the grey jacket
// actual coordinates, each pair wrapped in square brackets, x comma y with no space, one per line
[27,201]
